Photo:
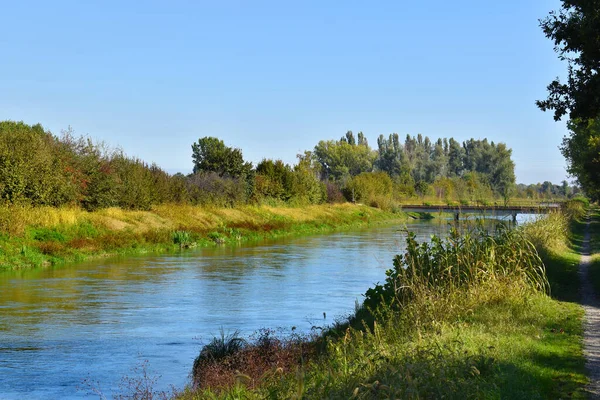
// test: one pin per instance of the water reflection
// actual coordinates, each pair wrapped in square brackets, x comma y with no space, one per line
[101,318]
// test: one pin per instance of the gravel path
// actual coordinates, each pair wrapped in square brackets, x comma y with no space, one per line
[591,337]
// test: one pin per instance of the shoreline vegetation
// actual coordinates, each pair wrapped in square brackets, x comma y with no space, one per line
[44,236]
[478,315]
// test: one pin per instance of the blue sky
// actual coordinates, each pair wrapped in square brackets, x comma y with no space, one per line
[275,77]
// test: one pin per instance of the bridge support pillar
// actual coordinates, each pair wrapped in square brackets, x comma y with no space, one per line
[456,216]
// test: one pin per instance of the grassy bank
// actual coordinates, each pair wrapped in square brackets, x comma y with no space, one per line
[469,317]
[42,236]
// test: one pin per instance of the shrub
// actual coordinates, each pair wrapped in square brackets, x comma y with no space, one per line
[228,360]
[182,238]
[334,194]
[208,188]
[368,185]
[51,247]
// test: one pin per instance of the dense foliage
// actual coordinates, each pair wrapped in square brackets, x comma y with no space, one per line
[575,31]
[581,149]
[39,168]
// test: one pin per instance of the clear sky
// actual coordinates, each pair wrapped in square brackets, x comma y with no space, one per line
[275,77]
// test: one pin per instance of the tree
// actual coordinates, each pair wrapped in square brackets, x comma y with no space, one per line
[582,150]
[575,31]
[211,155]
[344,158]
[391,157]
[455,158]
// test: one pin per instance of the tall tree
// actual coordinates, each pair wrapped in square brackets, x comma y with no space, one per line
[344,158]
[575,31]
[211,155]
[455,158]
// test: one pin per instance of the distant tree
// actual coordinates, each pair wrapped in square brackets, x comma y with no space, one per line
[369,186]
[575,31]
[390,156]
[502,171]
[274,179]
[438,164]
[421,188]
[565,190]
[211,155]
[455,158]
[306,186]
[342,159]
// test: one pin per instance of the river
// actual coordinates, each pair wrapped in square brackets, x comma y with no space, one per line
[99,320]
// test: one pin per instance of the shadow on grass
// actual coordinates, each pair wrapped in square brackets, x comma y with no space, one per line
[469,376]
[562,270]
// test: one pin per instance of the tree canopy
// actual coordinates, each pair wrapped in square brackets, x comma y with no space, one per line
[211,155]
[582,150]
[575,31]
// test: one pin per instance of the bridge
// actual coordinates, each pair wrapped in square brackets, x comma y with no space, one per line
[513,210]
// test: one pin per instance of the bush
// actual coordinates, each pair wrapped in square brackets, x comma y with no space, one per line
[208,188]
[334,194]
[182,238]
[368,186]
[228,360]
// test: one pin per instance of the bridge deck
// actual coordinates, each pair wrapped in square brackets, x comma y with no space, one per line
[495,209]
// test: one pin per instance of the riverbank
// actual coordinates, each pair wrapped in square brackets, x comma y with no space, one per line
[473,319]
[33,237]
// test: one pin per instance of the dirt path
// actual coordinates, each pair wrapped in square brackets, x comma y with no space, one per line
[591,337]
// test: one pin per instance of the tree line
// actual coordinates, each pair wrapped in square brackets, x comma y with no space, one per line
[39,168]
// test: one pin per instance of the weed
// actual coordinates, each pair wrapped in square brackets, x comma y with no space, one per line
[45,234]
[182,238]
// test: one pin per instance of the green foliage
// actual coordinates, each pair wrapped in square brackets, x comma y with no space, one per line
[210,189]
[342,159]
[274,179]
[182,238]
[30,167]
[458,262]
[37,168]
[44,234]
[581,149]
[211,155]
[369,186]
[574,30]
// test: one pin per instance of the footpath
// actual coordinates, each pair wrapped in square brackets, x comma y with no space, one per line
[591,306]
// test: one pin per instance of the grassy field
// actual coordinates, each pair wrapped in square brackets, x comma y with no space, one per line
[42,236]
[466,318]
